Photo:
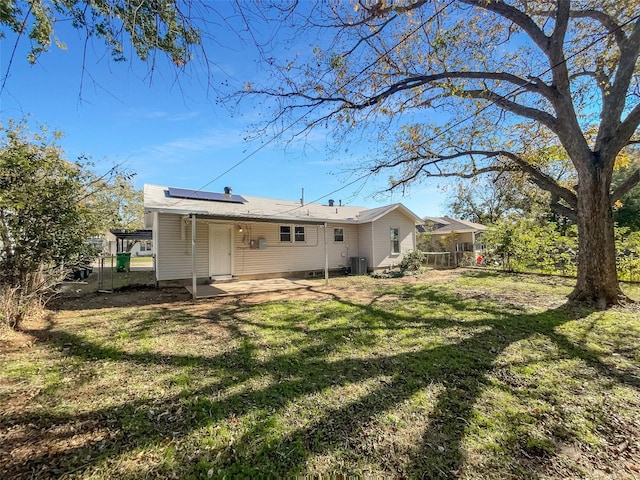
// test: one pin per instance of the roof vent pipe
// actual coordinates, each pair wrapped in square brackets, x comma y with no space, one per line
[227,190]
[331,202]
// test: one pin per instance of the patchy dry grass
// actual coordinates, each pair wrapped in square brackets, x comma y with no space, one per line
[461,376]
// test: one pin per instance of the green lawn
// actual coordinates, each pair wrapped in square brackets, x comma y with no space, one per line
[473,376]
[146,261]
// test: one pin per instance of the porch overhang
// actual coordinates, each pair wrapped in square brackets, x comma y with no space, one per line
[194,217]
[249,218]
[257,219]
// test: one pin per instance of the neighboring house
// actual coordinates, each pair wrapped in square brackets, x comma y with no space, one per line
[453,235]
[138,242]
[104,244]
[249,237]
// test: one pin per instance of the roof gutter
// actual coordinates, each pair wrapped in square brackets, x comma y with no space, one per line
[202,215]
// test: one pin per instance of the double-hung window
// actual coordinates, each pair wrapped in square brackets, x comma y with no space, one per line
[285,233]
[290,234]
[338,234]
[395,240]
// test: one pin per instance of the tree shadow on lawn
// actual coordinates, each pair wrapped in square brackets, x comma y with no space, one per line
[460,370]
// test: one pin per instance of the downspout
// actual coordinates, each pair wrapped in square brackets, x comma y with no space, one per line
[373,249]
[326,256]
[193,256]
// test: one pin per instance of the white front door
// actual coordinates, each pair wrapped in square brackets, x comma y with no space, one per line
[220,250]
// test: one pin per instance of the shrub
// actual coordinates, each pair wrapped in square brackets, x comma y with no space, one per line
[412,261]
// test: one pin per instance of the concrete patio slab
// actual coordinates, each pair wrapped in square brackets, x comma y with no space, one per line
[250,286]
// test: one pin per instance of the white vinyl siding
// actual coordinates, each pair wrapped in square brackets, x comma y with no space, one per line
[280,257]
[383,258]
[371,240]
[174,253]
[365,242]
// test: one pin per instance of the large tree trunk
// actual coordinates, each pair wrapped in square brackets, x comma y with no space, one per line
[597,276]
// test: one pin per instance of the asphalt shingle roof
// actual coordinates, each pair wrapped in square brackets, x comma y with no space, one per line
[156,198]
[455,225]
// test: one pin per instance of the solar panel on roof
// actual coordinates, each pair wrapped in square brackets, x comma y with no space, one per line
[200,195]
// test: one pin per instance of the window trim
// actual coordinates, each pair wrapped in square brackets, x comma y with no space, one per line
[281,233]
[335,240]
[295,233]
[395,242]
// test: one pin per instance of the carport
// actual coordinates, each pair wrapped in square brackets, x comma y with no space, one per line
[123,236]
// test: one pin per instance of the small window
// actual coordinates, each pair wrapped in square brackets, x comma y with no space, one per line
[464,247]
[338,234]
[285,233]
[395,240]
[145,246]
[299,234]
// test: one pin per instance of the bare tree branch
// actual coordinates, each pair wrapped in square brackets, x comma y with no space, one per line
[561,209]
[605,20]
[516,16]
[621,137]
[562,22]
[626,186]
[421,80]
[532,113]
[615,99]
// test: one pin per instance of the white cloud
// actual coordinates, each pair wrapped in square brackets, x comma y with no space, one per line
[190,147]
[144,114]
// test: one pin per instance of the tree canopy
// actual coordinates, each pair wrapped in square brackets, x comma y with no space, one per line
[148,26]
[49,207]
[116,200]
[627,211]
[464,87]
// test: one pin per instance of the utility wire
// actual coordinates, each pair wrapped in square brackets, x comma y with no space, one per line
[486,107]
[295,122]
[439,134]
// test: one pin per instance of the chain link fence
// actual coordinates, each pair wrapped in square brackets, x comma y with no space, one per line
[115,272]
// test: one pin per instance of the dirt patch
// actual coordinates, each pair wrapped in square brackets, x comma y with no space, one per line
[11,340]
[342,288]
[362,290]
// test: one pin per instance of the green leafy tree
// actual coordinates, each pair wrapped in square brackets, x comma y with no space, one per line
[119,204]
[46,216]
[149,26]
[492,197]
[627,211]
[531,245]
[423,242]
[115,198]
[628,253]
[507,78]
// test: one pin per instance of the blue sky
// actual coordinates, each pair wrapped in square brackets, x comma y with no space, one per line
[173,132]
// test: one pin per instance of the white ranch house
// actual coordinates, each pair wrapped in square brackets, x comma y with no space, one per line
[203,236]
